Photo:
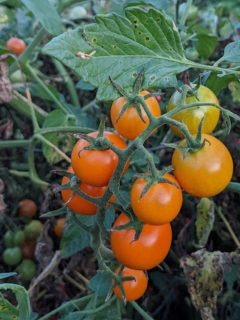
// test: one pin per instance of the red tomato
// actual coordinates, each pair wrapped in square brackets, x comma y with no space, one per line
[160,204]
[58,227]
[96,167]
[16,45]
[130,125]
[133,289]
[205,172]
[147,251]
[79,204]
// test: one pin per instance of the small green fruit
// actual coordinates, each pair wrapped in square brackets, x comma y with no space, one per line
[33,229]
[12,256]
[8,239]
[19,238]
[27,269]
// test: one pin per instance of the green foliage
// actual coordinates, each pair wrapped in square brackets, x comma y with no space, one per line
[144,40]
[101,283]
[204,221]
[45,12]
[75,238]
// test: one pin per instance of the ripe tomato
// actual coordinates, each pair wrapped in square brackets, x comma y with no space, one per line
[192,117]
[28,248]
[133,289]
[206,172]
[147,251]
[130,125]
[27,208]
[12,256]
[96,167]
[160,204]
[58,228]
[79,204]
[16,45]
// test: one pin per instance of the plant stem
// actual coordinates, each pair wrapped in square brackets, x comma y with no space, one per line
[45,88]
[66,305]
[50,144]
[22,105]
[29,51]
[68,81]
[9,144]
[228,226]
[141,311]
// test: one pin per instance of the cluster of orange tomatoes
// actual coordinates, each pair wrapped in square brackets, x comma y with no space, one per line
[202,173]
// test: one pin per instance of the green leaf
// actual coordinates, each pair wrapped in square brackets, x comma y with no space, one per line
[24,307]
[232,52]
[7,310]
[7,275]
[217,82]
[74,239]
[64,142]
[206,45]
[101,283]
[234,87]
[109,218]
[121,48]
[204,221]
[47,14]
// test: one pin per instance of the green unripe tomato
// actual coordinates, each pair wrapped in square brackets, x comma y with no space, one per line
[78,12]
[6,15]
[192,54]
[8,239]
[12,256]
[33,229]
[17,76]
[27,269]
[19,238]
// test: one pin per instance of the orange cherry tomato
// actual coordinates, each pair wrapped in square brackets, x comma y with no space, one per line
[193,116]
[130,125]
[96,167]
[206,172]
[133,289]
[147,251]
[58,227]
[27,208]
[79,204]
[160,204]
[16,45]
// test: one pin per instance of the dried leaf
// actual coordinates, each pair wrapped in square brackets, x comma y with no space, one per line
[3,205]
[5,84]
[204,272]
[6,129]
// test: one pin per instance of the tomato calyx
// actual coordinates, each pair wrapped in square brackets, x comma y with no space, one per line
[133,223]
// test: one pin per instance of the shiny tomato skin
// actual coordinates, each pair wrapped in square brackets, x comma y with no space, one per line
[133,289]
[59,226]
[78,204]
[192,117]
[16,45]
[160,204]
[130,125]
[206,172]
[96,167]
[148,251]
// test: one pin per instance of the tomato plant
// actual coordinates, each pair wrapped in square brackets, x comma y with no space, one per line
[102,82]
[133,122]
[78,204]
[12,256]
[95,167]
[205,172]
[27,269]
[160,204]
[16,45]
[133,289]
[58,227]
[148,251]
[27,208]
